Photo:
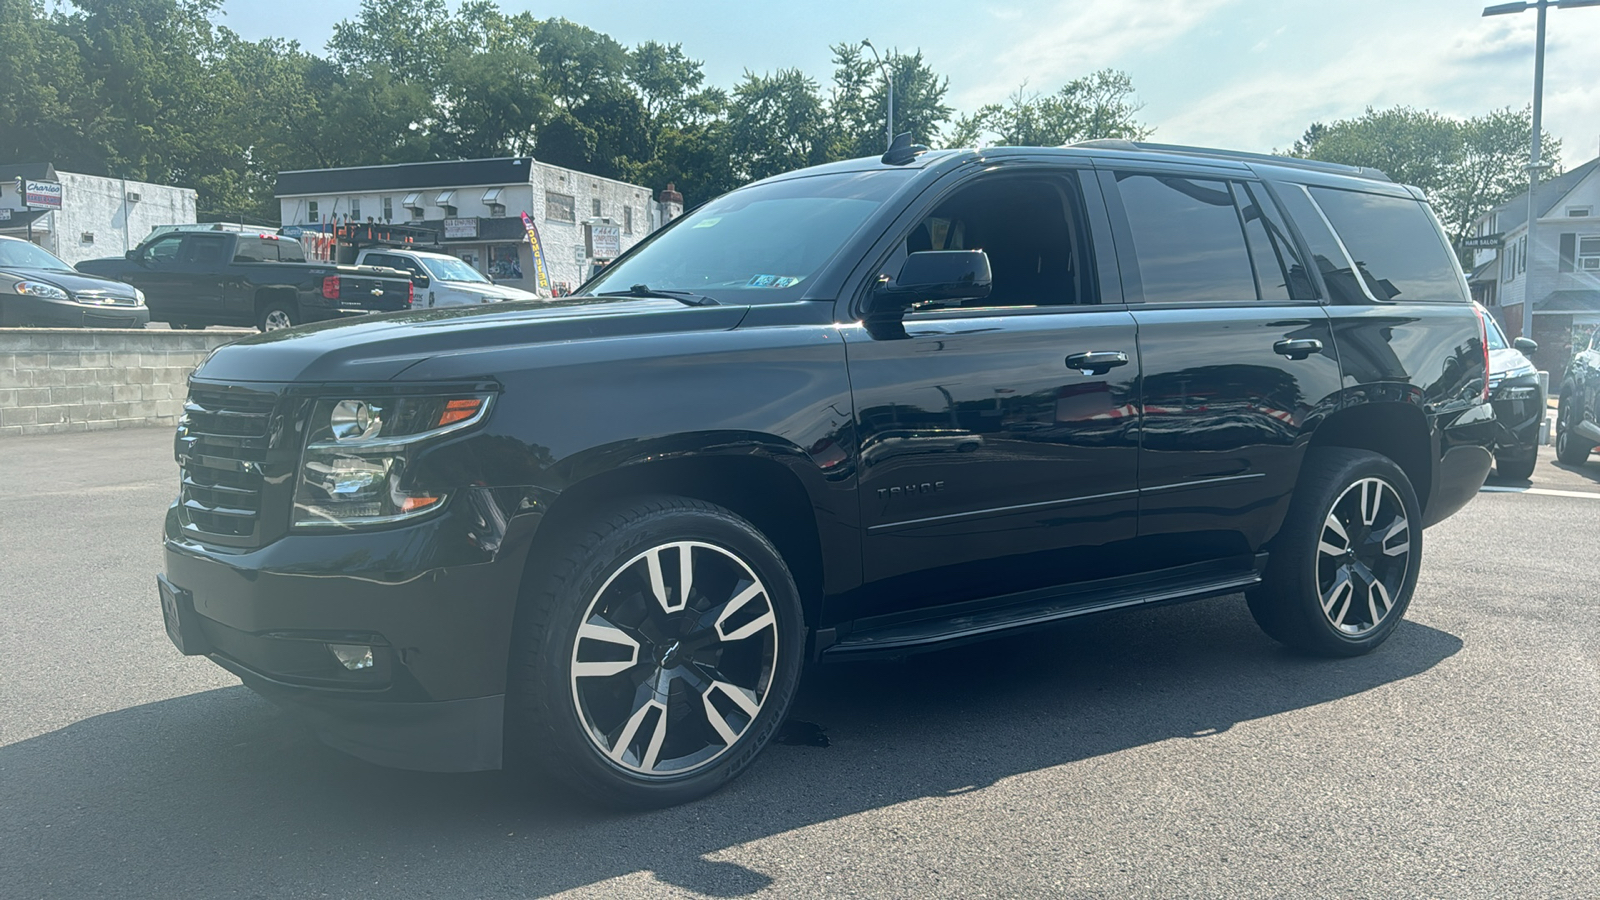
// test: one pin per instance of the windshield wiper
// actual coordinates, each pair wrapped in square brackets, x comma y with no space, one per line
[689,298]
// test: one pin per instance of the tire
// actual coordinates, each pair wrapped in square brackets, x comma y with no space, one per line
[1326,603]
[277,316]
[1516,468]
[1570,448]
[600,625]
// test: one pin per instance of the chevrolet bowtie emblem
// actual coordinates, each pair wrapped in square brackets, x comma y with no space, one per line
[377,292]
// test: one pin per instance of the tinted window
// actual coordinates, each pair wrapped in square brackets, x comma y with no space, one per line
[1325,253]
[1188,239]
[1280,273]
[251,249]
[166,248]
[290,250]
[1396,247]
[205,250]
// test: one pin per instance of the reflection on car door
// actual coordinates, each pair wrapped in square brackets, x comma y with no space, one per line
[1238,357]
[156,273]
[199,277]
[987,463]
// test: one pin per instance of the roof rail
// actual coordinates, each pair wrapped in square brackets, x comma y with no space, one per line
[1292,162]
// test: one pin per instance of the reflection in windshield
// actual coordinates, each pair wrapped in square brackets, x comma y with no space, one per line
[23,255]
[766,240]
[451,270]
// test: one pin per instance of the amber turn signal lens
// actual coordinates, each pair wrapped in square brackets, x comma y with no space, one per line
[459,410]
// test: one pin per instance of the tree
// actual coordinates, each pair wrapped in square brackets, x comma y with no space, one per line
[1098,105]
[1465,166]
[858,106]
[775,124]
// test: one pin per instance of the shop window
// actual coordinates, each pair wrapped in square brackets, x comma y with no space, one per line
[311,211]
[560,207]
[504,263]
[595,204]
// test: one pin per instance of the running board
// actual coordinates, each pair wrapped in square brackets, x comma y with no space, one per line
[959,623]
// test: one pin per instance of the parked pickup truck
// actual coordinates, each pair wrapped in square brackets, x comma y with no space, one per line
[192,279]
[871,408]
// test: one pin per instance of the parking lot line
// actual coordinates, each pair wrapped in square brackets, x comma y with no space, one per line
[1544,492]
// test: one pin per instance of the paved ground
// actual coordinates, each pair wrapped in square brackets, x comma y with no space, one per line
[1161,753]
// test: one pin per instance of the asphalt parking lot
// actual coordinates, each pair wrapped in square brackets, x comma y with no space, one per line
[1156,753]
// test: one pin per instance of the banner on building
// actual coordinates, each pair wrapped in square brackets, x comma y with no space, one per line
[540,273]
[41,194]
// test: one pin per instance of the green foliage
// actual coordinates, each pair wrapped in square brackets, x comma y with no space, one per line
[156,90]
[1099,105]
[1465,166]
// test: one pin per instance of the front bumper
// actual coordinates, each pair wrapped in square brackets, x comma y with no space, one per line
[43,312]
[432,602]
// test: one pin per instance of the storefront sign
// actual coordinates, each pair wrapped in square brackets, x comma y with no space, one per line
[1485,242]
[42,194]
[460,229]
[605,241]
[5,214]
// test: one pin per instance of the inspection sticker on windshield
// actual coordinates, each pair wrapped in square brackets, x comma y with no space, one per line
[707,223]
[773,281]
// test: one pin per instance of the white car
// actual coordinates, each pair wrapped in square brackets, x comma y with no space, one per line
[451,282]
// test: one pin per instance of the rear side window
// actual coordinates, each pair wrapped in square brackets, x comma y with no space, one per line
[1188,238]
[1396,247]
[1280,272]
[1326,256]
[251,249]
[290,251]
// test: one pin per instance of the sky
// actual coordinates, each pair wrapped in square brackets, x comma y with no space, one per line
[1238,74]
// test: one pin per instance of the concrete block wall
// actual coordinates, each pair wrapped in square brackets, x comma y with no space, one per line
[87,379]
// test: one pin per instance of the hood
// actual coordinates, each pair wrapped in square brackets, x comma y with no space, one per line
[381,347]
[499,292]
[1503,361]
[75,282]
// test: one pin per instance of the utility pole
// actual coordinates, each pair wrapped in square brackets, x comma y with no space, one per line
[888,77]
[1534,163]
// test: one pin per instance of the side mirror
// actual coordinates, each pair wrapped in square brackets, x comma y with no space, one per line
[944,276]
[420,282]
[1525,346]
[131,254]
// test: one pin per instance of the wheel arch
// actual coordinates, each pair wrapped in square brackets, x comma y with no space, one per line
[267,296]
[1397,430]
[765,488]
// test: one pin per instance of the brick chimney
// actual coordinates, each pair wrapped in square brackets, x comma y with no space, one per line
[671,203]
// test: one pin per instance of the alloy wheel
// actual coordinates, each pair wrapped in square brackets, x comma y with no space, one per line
[1363,556]
[276,320]
[674,658]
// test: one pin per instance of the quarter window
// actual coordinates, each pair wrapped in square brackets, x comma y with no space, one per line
[1396,246]
[1188,239]
[1280,273]
[559,207]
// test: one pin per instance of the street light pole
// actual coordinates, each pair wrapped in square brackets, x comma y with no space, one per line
[1534,163]
[888,77]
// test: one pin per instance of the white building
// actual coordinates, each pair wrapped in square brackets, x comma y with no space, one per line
[98,216]
[1548,290]
[476,208]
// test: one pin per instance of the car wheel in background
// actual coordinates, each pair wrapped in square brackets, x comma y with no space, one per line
[1570,448]
[277,316]
[655,656]
[1342,570]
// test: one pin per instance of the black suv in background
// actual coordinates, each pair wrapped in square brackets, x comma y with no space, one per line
[872,407]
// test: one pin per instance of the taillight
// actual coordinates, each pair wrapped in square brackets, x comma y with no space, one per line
[330,287]
[1483,341]
[411,294]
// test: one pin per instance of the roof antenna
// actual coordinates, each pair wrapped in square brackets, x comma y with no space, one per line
[902,150]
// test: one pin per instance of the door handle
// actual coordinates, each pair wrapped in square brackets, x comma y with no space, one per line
[1097,362]
[1297,349]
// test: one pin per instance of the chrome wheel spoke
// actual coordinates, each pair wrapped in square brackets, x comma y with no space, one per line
[599,630]
[1339,595]
[1371,493]
[1378,601]
[688,631]
[1402,529]
[1333,524]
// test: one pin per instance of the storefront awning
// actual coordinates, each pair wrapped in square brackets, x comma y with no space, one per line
[492,195]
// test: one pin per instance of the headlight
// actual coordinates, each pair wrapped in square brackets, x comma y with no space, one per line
[354,470]
[138,297]
[40,289]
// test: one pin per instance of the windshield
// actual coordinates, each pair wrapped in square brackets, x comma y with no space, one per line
[760,242]
[451,270]
[23,255]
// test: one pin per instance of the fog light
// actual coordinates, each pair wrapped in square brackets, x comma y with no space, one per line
[354,657]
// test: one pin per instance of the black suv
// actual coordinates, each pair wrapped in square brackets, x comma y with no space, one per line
[867,408]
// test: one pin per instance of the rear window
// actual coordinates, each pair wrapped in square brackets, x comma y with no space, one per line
[267,249]
[1396,246]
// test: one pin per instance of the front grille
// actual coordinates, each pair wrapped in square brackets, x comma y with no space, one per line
[98,296]
[225,453]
